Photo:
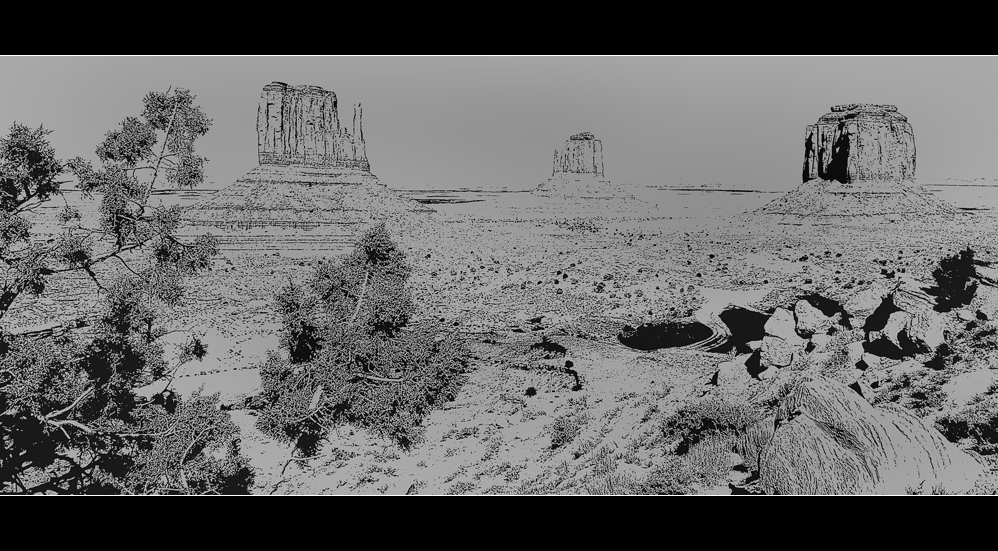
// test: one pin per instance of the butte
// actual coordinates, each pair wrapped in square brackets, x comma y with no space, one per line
[859,160]
[578,171]
[313,174]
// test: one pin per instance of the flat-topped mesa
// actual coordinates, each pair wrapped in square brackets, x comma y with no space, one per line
[860,142]
[313,172]
[299,126]
[581,154]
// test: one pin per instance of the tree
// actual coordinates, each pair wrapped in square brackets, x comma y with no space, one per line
[70,419]
[955,280]
[354,356]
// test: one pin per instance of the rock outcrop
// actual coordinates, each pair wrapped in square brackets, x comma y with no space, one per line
[907,320]
[859,160]
[312,173]
[300,126]
[828,440]
[578,170]
[581,154]
[860,142]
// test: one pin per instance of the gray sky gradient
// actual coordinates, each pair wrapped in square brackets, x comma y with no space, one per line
[451,122]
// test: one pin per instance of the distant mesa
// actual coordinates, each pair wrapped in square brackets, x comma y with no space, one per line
[578,170]
[313,171]
[859,160]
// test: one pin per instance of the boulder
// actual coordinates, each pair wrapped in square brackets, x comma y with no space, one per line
[734,375]
[810,320]
[897,323]
[964,315]
[820,341]
[913,325]
[776,352]
[783,325]
[926,331]
[908,295]
[855,351]
[872,361]
[867,300]
[828,440]
[989,300]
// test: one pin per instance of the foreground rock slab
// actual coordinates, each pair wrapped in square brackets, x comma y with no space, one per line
[829,440]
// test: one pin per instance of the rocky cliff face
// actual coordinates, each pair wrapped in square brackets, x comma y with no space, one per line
[581,154]
[859,160]
[860,142]
[300,126]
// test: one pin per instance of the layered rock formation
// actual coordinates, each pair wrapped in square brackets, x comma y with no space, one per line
[859,160]
[300,126]
[860,142]
[827,440]
[581,154]
[312,172]
[578,170]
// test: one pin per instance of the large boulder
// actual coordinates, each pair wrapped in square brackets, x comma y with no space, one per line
[810,320]
[907,319]
[926,331]
[896,325]
[776,352]
[829,440]
[783,325]
[867,300]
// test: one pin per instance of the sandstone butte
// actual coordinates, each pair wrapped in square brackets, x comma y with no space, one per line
[859,160]
[577,170]
[312,170]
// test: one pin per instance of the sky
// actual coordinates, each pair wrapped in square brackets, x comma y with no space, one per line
[494,122]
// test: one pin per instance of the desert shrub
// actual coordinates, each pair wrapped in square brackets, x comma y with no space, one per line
[354,357]
[955,285]
[603,461]
[564,429]
[703,466]
[977,421]
[921,391]
[670,476]
[708,459]
[615,484]
[709,416]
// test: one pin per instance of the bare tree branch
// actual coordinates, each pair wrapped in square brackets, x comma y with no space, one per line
[363,290]
[53,415]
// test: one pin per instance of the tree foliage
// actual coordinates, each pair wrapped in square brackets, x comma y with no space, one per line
[70,418]
[354,357]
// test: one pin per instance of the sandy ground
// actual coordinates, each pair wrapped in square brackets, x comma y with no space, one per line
[492,272]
